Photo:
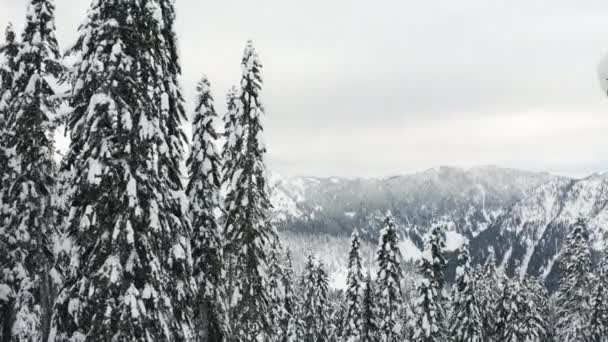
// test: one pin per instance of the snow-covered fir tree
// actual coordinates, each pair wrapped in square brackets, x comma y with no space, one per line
[352,319]
[488,291]
[369,312]
[28,179]
[429,312]
[315,305]
[203,191]
[598,321]
[337,312]
[131,273]
[8,52]
[539,310]
[276,290]
[518,316]
[466,324]
[388,259]
[322,302]
[573,299]
[290,301]
[247,219]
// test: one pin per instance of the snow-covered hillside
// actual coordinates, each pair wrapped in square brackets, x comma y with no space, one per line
[529,236]
[468,201]
[523,216]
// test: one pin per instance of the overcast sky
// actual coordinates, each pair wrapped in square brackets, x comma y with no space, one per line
[362,88]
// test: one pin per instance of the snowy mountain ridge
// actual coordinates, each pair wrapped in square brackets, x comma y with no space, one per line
[522,215]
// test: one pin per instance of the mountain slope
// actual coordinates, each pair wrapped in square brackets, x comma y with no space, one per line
[471,199]
[523,216]
[528,237]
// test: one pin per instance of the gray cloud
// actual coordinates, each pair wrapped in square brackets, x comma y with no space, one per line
[360,89]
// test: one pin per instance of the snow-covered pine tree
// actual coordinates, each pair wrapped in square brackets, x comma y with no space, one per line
[388,258]
[248,228]
[369,311]
[29,178]
[352,319]
[573,299]
[309,292]
[538,309]
[598,322]
[8,53]
[337,309]
[429,312]
[203,190]
[518,316]
[315,306]
[322,302]
[290,302]
[131,275]
[276,291]
[8,50]
[488,291]
[294,330]
[466,324]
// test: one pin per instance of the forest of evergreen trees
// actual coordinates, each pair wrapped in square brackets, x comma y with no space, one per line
[109,244]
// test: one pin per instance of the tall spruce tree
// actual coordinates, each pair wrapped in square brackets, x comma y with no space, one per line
[518,316]
[315,306]
[352,319]
[573,297]
[290,302]
[369,312]
[309,293]
[248,228]
[429,314]
[466,324]
[276,290]
[8,51]
[488,291]
[29,177]
[322,303]
[131,273]
[598,322]
[203,191]
[388,258]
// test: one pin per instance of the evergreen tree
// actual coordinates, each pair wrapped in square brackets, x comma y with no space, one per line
[9,52]
[598,322]
[294,330]
[337,309]
[573,298]
[389,278]
[315,315]
[248,228]
[466,324]
[276,290]
[309,292]
[369,317]
[539,312]
[430,317]
[322,302]
[352,319]
[203,191]
[290,302]
[28,180]
[488,292]
[131,273]
[519,318]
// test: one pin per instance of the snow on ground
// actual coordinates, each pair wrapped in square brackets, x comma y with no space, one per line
[454,240]
[409,251]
